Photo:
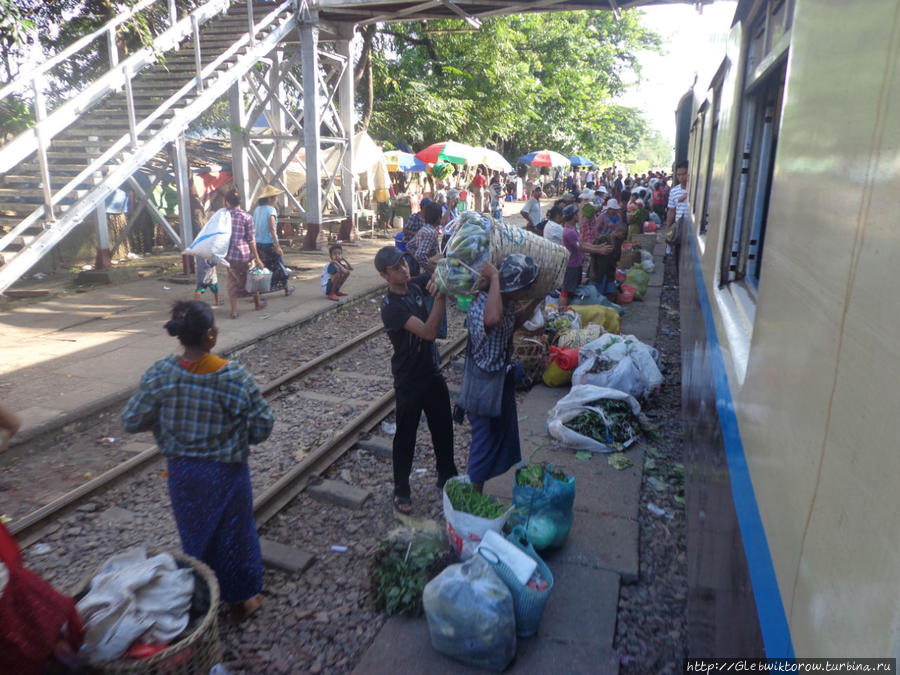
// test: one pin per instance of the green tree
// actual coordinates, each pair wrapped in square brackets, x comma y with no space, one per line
[520,83]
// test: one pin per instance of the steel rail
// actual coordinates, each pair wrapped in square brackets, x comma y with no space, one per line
[27,529]
[280,494]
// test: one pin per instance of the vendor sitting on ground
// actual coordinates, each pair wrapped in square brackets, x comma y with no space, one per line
[488,387]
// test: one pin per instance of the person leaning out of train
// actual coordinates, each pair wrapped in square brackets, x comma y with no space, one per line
[205,412]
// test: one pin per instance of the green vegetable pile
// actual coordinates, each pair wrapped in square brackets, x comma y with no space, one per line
[602,364]
[532,475]
[613,424]
[556,324]
[464,498]
[459,273]
[442,170]
[401,569]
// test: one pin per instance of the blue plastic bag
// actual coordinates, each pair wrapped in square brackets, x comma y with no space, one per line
[546,513]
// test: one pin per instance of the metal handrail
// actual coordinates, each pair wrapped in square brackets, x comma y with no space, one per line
[23,145]
[138,127]
[108,28]
[140,152]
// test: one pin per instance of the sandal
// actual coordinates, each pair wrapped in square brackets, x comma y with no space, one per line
[234,316]
[403,505]
[262,304]
[288,292]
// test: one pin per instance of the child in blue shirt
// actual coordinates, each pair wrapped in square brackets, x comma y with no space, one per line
[335,273]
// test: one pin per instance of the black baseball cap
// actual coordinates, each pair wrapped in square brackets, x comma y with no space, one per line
[387,257]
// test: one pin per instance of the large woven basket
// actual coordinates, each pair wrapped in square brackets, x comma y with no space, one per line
[551,258]
[530,349]
[196,651]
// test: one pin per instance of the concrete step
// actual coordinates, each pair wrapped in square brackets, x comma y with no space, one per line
[14,180]
[28,194]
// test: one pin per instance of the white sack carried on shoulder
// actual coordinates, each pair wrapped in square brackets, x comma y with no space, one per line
[135,597]
[211,242]
[576,402]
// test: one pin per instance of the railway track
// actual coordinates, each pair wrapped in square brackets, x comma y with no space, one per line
[30,528]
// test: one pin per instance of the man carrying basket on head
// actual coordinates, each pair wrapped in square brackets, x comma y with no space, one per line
[488,387]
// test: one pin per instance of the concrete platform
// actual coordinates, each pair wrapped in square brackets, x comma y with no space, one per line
[72,354]
[579,623]
[77,353]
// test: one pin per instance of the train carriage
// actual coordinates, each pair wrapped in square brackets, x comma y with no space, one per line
[789,334]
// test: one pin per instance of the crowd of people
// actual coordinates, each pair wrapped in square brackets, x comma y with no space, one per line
[205,411]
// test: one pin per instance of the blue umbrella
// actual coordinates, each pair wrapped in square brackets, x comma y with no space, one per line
[580,161]
[397,160]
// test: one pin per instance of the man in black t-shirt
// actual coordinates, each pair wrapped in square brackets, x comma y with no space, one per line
[418,383]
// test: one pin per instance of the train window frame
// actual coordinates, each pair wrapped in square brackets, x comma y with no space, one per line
[715,113]
[759,123]
[759,127]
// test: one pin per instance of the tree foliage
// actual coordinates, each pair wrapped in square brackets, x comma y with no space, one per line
[520,83]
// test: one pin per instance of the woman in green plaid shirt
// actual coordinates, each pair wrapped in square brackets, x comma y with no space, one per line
[205,412]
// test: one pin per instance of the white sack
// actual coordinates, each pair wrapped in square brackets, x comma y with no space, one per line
[212,241]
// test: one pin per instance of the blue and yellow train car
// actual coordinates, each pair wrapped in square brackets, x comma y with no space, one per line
[791,334]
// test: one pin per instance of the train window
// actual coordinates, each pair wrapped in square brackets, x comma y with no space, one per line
[760,119]
[697,152]
[769,25]
[711,154]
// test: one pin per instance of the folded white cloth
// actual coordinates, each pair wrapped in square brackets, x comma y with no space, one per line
[134,597]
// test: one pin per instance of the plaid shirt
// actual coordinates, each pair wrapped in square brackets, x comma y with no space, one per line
[425,245]
[415,222]
[243,232]
[490,348]
[213,417]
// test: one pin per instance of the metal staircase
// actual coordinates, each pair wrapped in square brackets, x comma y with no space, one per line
[58,172]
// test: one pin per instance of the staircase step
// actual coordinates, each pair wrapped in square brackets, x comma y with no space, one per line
[10,180]
[29,195]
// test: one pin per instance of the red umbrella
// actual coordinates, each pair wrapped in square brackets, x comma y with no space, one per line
[544,158]
[448,151]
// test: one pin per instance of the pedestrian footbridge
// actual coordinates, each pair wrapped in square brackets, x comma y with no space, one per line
[58,172]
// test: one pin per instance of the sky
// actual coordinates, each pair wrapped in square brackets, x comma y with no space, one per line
[692,43]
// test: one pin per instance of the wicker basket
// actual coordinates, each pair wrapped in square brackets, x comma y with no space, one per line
[551,258]
[579,337]
[530,349]
[196,651]
[528,602]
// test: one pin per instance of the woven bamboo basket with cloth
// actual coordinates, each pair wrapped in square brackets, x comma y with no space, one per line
[197,650]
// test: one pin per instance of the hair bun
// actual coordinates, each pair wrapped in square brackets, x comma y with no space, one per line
[175,325]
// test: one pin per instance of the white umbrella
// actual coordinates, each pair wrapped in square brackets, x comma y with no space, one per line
[494,161]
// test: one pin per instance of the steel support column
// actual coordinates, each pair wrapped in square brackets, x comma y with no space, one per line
[103,259]
[345,103]
[238,118]
[312,119]
[182,179]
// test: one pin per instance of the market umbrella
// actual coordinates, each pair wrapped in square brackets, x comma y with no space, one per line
[448,151]
[577,160]
[397,160]
[493,160]
[544,158]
